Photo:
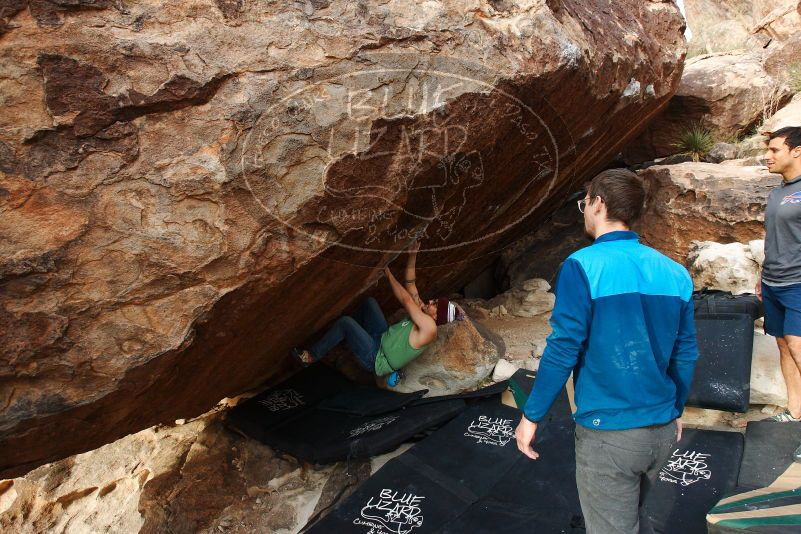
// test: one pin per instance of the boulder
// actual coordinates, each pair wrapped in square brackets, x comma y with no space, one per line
[753,146]
[192,477]
[728,93]
[767,382]
[728,25]
[781,22]
[703,202]
[523,338]
[728,267]
[751,161]
[717,26]
[504,370]
[460,360]
[187,190]
[529,299]
[789,115]
[721,152]
[757,248]
[781,56]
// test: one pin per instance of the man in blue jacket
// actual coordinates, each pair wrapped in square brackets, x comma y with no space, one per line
[623,325]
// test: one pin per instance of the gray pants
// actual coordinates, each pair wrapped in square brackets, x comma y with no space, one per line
[614,471]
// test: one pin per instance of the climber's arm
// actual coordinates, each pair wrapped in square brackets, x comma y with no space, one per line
[424,323]
[409,281]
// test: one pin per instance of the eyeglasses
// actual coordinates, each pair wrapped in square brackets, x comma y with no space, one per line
[582,204]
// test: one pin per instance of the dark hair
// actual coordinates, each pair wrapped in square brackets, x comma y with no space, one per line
[621,191]
[791,135]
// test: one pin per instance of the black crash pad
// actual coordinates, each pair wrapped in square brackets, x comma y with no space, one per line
[534,495]
[365,401]
[436,480]
[475,449]
[722,379]
[703,468]
[319,416]
[769,448]
[522,382]
[323,436]
[487,391]
[289,399]
[717,301]
[398,499]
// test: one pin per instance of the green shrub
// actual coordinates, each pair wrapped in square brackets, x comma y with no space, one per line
[794,77]
[696,141]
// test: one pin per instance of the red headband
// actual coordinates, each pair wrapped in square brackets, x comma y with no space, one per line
[442,311]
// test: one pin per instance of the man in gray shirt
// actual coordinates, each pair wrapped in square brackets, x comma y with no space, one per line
[780,285]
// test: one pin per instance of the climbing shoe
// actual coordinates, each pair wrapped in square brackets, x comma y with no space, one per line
[783,417]
[393,379]
[304,357]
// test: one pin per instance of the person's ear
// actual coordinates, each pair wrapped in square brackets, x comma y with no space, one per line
[796,152]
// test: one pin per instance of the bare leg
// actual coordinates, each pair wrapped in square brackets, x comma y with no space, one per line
[790,350]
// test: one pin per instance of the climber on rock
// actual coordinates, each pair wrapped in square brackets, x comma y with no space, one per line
[380,348]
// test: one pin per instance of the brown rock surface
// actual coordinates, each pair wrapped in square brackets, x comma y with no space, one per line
[458,361]
[727,25]
[782,21]
[703,202]
[523,338]
[719,25]
[783,56]
[789,115]
[728,93]
[193,477]
[188,167]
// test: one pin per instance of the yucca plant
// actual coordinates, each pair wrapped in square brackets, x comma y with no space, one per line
[695,141]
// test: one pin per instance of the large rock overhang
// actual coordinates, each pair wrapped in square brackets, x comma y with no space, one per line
[185,198]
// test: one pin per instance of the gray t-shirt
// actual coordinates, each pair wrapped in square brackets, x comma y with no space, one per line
[782,266]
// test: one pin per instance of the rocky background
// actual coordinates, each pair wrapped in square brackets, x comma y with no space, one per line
[189,189]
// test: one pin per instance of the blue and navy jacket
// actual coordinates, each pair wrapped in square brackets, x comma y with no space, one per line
[623,324]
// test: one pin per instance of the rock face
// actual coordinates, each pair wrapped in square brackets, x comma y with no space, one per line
[781,22]
[530,298]
[523,338]
[194,477]
[721,152]
[703,202]
[727,25]
[210,183]
[767,382]
[727,92]
[731,267]
[789,115]
[719,25]
[782,56]
[539,254]
[459,360]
